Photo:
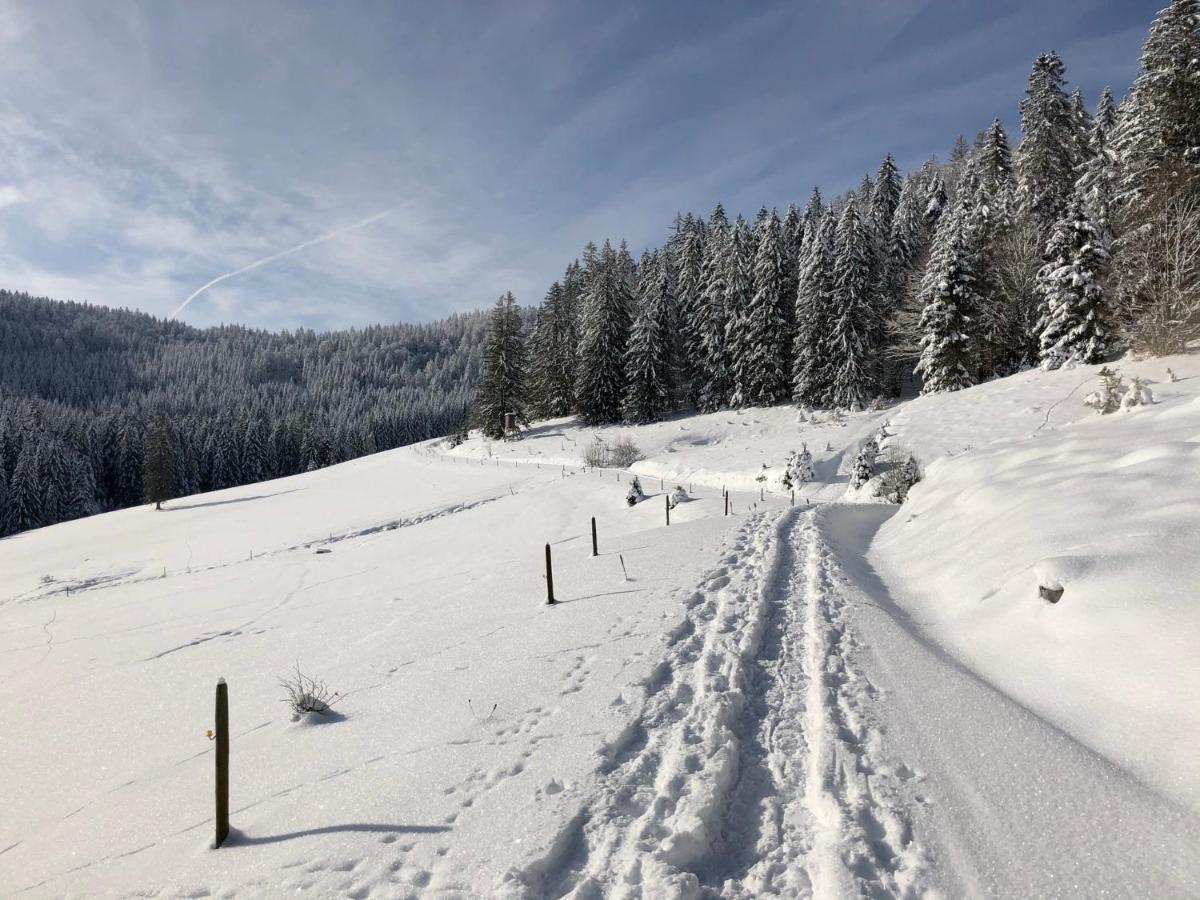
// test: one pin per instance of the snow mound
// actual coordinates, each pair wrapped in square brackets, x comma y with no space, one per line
[1105,508]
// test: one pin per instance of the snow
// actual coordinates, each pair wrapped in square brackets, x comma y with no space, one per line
[825,699]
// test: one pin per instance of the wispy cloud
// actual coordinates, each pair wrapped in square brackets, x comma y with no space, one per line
[151,148]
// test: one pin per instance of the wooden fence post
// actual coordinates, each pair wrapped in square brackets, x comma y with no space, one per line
[550,601]
[667,503]
[595,548]
[222,768]
[726,503]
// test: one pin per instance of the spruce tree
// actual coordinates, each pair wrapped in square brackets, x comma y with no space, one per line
[25,488]
[714,392]
[1159,138]
[1099,177]
[885,197]
[761,373]
[552,356]
[158,473]
[650,359]
[739,288]
[1074,324]
[689,266]
[853,326]
[811,360]
[607,316]
[948,298]
[1045,161]
[501,391]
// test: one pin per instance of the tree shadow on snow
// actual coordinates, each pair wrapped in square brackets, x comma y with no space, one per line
[241,839]
[177,506]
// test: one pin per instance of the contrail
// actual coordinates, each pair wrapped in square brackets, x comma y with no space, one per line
[274,256]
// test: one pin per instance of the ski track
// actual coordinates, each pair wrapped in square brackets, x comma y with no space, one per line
[754,767]
[123,579]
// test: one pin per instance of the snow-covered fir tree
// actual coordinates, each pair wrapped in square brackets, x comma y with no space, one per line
[761,369]
[811,357]
[689,300]
[1075,325]
[1159,137]
[948,299]
[864,464]
[607,316]
[553,361]
[853,325]
[714,393]
[502,384]
[1045,161]
[739,288]
[650,359]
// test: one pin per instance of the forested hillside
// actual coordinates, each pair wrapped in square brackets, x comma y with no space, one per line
[1073,245]
[84,390]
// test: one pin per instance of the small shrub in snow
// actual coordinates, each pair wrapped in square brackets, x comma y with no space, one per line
[1108,398]
[900,472]
[1137,394]
[307,695]
[624,452]
[679,495]
[595,454]
[635,494]
[621,454]
[864,464]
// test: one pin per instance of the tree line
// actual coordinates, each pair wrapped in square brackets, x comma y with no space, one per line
[102,409]
[1080,243]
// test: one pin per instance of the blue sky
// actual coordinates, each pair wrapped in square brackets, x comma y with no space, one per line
[148,147]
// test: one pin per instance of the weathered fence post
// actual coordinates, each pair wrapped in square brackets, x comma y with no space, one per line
[793,497]
[595,548]
[222,768]
[762,494]
[726,503]
[550,601]
[667,503]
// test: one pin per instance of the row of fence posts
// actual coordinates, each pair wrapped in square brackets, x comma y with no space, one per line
[220,735]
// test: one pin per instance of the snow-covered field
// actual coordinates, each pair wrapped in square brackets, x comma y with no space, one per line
[827,699]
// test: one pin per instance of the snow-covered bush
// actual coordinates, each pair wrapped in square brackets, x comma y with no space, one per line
[635,494]
[679,495]
[1114,394]
[798,469]
[1137,394]
[864,464]
[1108,398]
[900,472]
[307,695]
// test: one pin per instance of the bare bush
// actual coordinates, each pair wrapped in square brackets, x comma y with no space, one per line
[624,452]
[1159,277]
[620,454]
[595,454]
[307,695]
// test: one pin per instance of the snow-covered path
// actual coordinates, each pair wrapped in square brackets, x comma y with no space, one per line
[801,738]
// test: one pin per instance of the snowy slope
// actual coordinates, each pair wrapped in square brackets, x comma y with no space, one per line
[789,701]
[1106,507]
